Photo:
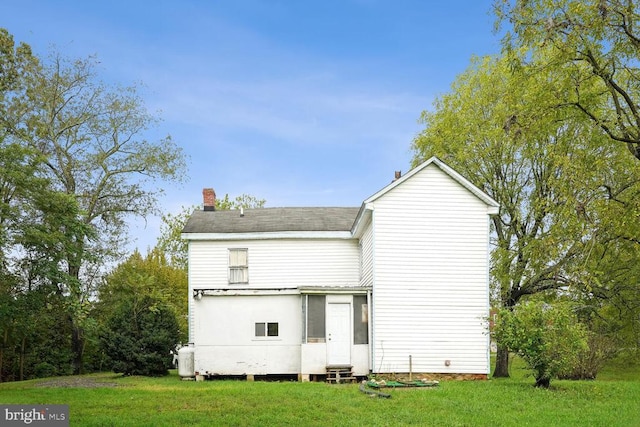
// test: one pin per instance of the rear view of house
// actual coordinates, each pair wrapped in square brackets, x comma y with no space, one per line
[395,285]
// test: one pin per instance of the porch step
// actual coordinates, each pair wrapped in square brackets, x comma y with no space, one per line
[340,374]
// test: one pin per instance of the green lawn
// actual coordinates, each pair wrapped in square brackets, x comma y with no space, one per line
[108,399]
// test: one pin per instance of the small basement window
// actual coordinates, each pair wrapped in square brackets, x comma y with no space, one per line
[266,329]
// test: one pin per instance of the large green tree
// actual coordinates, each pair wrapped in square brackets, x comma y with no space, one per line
[91,141]
[139,336]
[150,275]
[549,170]
[37,227]
[18,163]
[592,50]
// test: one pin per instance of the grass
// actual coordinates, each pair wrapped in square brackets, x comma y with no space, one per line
[612,400]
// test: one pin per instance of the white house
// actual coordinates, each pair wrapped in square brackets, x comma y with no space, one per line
[397,285]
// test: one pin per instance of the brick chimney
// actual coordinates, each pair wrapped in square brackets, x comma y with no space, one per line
[209,199]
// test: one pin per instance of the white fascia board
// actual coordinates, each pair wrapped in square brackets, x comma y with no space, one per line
[247,291]
[269,235]
[363,218]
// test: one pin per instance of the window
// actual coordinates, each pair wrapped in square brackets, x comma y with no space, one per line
[238,266]
[264,329]
[314,308]
[360,320]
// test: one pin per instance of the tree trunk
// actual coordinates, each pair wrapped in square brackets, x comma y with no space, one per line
[77,332]
[4,344]
[543,382]
[77,347]
[502,363]
[22,347]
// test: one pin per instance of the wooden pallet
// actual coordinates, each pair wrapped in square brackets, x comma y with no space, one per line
[340,374]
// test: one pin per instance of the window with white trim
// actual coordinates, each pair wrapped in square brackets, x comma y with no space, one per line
[266,329]
[239,265]
[360,320]
[313,308]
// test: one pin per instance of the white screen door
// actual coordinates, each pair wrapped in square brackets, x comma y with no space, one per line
[339,334]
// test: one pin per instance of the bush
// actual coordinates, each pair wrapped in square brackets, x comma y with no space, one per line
[591,359]
[547,337]
[139,336]
[44,369]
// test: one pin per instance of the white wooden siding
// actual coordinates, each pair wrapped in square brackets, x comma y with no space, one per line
[366,244]
[285,263]
[430,294]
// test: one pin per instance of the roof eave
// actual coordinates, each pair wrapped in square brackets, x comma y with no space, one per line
[270,235]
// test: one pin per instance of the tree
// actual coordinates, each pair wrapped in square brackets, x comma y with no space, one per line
[592,48]
[18,163]
[139,337]
[170,242]
[548,170]
[150,276]
[610,304]
[92,141]
[547,337]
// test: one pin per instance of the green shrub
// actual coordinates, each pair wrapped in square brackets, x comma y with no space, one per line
[139,336]
[591,359]
[44,369]
[549,338]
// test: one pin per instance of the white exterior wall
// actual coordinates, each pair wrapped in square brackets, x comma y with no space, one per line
[222,327]
[278,263]
[430,294]
[225,341]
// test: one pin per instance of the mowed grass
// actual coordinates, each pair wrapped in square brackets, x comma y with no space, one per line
[111,400]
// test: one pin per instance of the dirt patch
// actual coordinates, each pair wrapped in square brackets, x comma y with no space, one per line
[77,382]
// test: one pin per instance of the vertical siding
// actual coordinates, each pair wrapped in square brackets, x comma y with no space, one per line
[282,263]
[430,294]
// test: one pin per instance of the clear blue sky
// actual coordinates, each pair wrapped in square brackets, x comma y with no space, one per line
[302,103]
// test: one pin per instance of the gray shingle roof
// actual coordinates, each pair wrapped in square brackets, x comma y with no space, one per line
[272,220]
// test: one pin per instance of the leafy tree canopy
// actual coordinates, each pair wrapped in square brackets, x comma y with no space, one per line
[139,336]
[592,50]
[75,163]
[146,276]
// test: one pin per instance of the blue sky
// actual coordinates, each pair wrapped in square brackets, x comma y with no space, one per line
[302,103]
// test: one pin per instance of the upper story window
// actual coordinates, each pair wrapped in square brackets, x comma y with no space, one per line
[238,266]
